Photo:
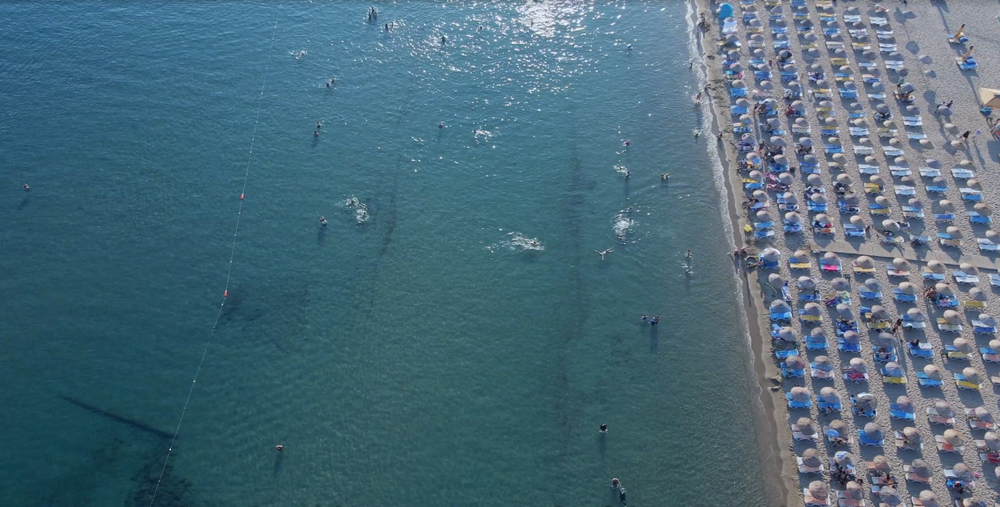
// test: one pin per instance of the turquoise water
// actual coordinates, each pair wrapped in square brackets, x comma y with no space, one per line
[423,357]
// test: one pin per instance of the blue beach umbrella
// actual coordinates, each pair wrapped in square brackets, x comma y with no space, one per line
[725,11]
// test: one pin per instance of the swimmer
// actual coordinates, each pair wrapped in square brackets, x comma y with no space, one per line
[615,483]
[664,176]
[628,209]
[629,47]
[689,255]
[690,64]
[480,29]
[26,187]
[443,40]
[322,221]
[697,98]
[327,84]
[644,318]
[697,133]
[279,447]
[605,252]
[604,428]
[621,495]
[319,125]
[628,143]
[315,133]
[655,320]
[387,27]
[441,125]
[627,174]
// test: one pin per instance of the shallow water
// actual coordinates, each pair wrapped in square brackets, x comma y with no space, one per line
[431,355]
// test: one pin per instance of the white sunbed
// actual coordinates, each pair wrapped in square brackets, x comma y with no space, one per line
[929,172]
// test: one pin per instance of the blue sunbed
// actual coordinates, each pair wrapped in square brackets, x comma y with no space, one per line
[896,413]
[926,381]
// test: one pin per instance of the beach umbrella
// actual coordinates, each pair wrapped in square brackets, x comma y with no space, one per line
[757,37]
[793,217]
[906,180]
[936,266]
[765,85]
[889,496]
[882,108]
[991,235]
[873,431]
[810,457]
[812,309]
[819,490]
[851,199]
[893,369]
[920,468]
[809,37]
[785,179]
[964,162]
[876,179]
[944,289]
[929,499]
[761,196]
[954,232]
[737,68]
[754,160]
[885,340]
[839,284]
[833,140]
[890,225]
[790,68]
[906,87]
[900,160]
[992,441]
[881,464]
[864,262]
[879,313]
[982,414]
[795,362]
[747,120]
[853,491]
[756,176]
[800,122]
[764,216]
[968,268]
[770,254]
[952,437]
[780,160]
[773,123]
[787,334]
[972,183]
[857,221]
[932,372]
[873,285]
[983,209]
[771,104]
[995,344]
[882,200]
[916,314]
[822,363]
[962,471]
[943,408]
[845,312]
[987,319]
[839,53]
[775,280]
[845,69]
[901,263]
[843,459]
[962,345]
[805,141]
[739,83]
[946,205]
[858,365]
[798,105]
[907,288]
[912,435]
[852,337]
[905,404]
[779,306]
[823,219]
[801,254]
[843,179]
[800,394]
[818,198]
[952,317]
[973,502]
[818,334]
[971,375]
[828,395]
[733,55]
[814,180]
[807,283]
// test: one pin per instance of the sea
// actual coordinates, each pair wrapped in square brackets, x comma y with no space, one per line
[172,308]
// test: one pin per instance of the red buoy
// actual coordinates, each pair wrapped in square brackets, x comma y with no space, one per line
[241,197]
[225,293]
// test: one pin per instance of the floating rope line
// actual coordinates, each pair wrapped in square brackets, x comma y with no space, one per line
[229,272]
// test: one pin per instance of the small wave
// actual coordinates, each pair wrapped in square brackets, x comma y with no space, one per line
[299,54]
[622,226]
[360,209]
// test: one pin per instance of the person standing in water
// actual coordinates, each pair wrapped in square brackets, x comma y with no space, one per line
[604,428]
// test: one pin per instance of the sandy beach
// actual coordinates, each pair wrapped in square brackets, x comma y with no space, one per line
[842,139]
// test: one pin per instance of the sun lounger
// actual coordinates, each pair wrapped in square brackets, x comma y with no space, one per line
[974,305]
[962,174]
[968,64]
[944,326]
[943,446]
[905,190]
[950,242]
[867,294]
[853,376]
[865,440]
[994,279]
[936,189]
[951,352]
[930,275]
[797,404]
[876,96]
[980,327]
[929,172]
[896,65]
[864,150]
[926,381]
[859,131]
[963,277]
[898,171]
[934,418]
[833,148]
[790,373]
[896,413]
[944,217]
[809,318]
[976,423]
[913,121]
[978,219]
[912,324]
[969,194]
[870,188]
[902,297]
[924,350]
[893,271]
[962,383]
[985,245]
[878,21]
[912,212]
[840,61]
[992,458]
[844,346]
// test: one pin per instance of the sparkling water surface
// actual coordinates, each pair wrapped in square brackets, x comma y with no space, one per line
[428,356]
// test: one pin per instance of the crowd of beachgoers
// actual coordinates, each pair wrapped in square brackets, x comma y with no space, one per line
[861,141]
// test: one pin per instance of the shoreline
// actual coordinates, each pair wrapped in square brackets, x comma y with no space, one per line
[775,458]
